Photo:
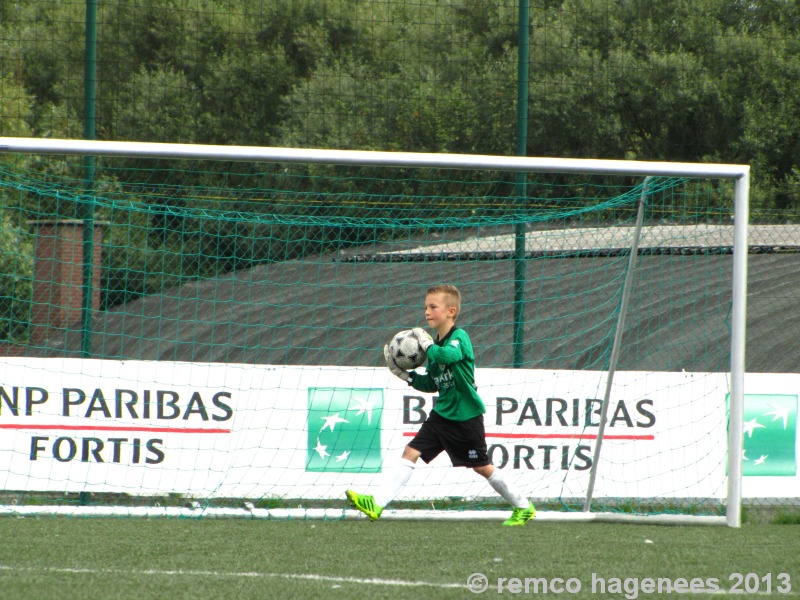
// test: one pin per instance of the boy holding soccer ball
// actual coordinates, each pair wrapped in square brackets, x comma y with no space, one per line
[455,424]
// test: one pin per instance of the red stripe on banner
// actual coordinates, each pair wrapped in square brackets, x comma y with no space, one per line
[114,428]
[556,436]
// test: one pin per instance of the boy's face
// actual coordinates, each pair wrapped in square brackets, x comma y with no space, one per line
[439,313]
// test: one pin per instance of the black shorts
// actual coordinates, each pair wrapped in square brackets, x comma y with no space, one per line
[464,441]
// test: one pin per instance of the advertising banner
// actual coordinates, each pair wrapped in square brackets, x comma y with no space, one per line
[254,431]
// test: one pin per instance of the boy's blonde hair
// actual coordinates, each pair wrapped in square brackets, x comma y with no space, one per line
[451,293]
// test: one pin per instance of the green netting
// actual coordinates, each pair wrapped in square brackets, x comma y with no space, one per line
[162,227]
[310,269]
[339,198]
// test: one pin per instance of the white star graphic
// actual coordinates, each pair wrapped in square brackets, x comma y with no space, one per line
[760,460]
[332,421]
[780,412]
[343,456]
[364,406]
[750,426]
[744,455]
[321,449]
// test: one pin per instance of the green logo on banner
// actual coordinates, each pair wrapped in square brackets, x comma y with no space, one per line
[770,434]
[344,430]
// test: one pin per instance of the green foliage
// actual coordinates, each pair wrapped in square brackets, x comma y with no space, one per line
[16,277]
[15,107]
[786,517]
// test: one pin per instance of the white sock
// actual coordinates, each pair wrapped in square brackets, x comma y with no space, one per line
[393,481]
[507,490]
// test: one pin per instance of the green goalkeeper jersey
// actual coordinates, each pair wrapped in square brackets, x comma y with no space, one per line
[451,372]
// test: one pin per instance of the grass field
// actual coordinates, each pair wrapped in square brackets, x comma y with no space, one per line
[106,558]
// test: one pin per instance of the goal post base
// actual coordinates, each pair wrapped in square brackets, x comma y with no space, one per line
[336,514]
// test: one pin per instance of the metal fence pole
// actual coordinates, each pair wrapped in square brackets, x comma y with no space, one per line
[521,191]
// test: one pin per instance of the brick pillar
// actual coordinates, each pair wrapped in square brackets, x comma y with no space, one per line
[58,278]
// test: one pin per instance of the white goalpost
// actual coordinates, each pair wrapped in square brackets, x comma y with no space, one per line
[104,402]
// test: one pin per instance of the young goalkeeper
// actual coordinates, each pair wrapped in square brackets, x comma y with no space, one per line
[455,423]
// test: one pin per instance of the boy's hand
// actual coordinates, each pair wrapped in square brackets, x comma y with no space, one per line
[423,337]
[396,371]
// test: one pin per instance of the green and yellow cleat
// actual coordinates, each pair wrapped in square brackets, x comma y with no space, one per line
[520,516]
[366,504]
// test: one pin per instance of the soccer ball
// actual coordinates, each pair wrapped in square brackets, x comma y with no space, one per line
[406,351]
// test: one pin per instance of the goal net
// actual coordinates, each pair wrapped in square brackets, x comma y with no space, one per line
[199,330]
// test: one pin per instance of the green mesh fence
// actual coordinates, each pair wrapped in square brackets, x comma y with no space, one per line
[699,82]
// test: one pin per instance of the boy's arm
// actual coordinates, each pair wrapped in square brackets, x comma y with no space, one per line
[423,382]
[444,355]
[393,368]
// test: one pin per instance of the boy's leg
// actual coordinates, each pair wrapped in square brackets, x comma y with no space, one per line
[523,508]
[503,487]
[394,480]
[465,443]
[364,503]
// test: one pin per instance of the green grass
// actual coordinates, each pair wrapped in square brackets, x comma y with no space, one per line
[108,558]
